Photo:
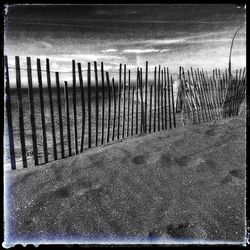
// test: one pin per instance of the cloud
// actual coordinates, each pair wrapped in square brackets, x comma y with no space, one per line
[140,51]
[165,50]
[109,50]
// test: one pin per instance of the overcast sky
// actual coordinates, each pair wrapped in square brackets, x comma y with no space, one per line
[170,35]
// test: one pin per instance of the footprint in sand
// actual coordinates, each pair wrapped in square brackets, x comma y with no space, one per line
[237,173]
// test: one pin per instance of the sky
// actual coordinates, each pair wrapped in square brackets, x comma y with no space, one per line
[170,35]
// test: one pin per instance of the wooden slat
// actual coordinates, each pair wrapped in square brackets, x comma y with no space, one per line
[137,102]
[169,103]
[82,104]
[162,111]
[158,95]
[128,102]
[89,105]
[60,114]
[142,108]
[66,97]
[165,97]
[20,109]
[109,106]
[39,76]
[103,103]
[173,108]
[114,111]
[150,108]
[9,115]
[97,103]
[74,105]
[155,72]
[32,111]
[146,96]
[52,118]
[124,102]
[132,112]
[119,101]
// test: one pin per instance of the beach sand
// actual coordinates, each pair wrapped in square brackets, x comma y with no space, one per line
[180,185]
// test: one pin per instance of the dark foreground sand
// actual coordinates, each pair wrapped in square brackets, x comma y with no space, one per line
[182,185]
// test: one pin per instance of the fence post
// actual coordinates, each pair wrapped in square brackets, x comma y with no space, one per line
[150,109]
[20,107]
[165,97]
[173,108]
[141,95]
[97,104]
[66,96]
[162,111]
[103,103]
[136,114]
[146,96]
[124,102]
[109,107]
[9,115]
[39,76]
[83,104]
[114,114]
[32,112]
[51,109]
[74,104]
[169,105]
[128,102]
[60,113]
[89,105]
[119,101]
[159,82]
[132,112]
[155,99]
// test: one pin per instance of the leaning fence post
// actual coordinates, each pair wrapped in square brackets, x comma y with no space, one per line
[124,102]
[114,114]
[9,115]
[132,112]
[150,108]
[103,103]
[83,105]
[119,101]
[146,96]
[155,72]
[169,105]
[141,95]
[109,107]
[20,107]
[39,76]
[60,113]
[51,109]
[89,105]
[32,111]
[165,97]
[173,108]
[128,102]
[66,97]
[159,82]
[97,104]
[74,104]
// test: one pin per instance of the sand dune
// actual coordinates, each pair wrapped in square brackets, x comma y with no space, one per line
[179,185]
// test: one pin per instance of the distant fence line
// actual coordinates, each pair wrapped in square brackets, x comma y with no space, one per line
[61,121]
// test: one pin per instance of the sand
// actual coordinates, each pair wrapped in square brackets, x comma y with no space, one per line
[175,186]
